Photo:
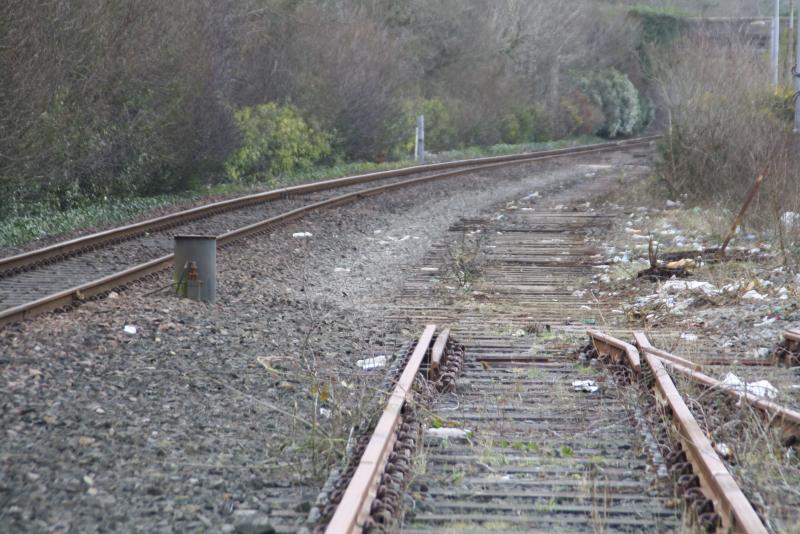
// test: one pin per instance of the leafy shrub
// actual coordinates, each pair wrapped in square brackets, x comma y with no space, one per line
[524,124]
[42,220]
[659,26]
[576,115]
[275,140]
[727,126]
[619,99]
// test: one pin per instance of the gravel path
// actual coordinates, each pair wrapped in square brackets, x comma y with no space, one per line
[224,417]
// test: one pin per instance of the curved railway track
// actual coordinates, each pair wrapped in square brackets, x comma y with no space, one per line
[63,274]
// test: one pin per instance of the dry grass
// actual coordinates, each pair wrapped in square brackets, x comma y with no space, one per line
[767,471]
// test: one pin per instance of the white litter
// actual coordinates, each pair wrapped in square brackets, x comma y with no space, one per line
[448,433]
[761,388]
[341,270]
[302,234]
[783,294]
[723,450]
[790,218]
[766,321]
[731,288]
[690,285]
[753,295]
[430,269]
[762,352]
[689,337]
[372,363]
[519,333]
[673,204]
[325,412]
[129,329]
[589,386]
[535,194]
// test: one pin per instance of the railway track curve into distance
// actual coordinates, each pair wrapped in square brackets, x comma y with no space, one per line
[64,274]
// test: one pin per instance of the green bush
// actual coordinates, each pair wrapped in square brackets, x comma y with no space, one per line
[576,114]
[440,134]
[274,140]
[619,99]
[524,124]
[659,26]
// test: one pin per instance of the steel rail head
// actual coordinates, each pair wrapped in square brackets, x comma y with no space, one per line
[69,296]
[616,349]
[787,419]
[42,255]
[438,354]
[730,503]
[664,355]
[792,334]
[354,507]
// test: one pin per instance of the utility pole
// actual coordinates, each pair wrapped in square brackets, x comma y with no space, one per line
[796,76]
[776,43]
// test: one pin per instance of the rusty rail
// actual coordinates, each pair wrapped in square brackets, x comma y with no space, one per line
[74,295]
[730,503]
[438,354]
[664,355]
[354,507]
[792,335]
[716,483]
[56,251]
[788,420]
[788,351]
[616,349]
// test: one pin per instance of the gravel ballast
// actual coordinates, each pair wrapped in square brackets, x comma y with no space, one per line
[225,417]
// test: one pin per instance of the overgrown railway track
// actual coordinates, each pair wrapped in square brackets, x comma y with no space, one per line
[492,423]
[60,275]
[521,444]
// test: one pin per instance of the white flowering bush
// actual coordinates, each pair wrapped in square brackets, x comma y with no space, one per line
[619,100]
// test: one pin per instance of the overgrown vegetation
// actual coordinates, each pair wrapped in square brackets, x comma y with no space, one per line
[274,140]
[620,102]
[128,99]
[726,127]
[42,220]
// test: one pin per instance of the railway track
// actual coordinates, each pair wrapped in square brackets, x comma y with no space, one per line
[63,274]
[522,443]
[533,454]
[485,428]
